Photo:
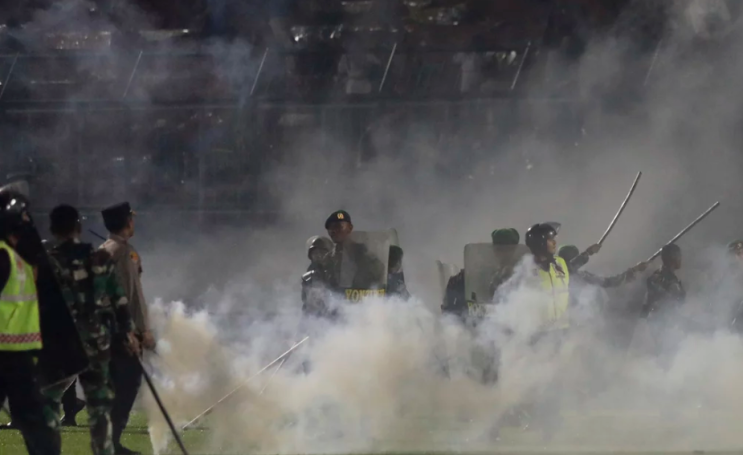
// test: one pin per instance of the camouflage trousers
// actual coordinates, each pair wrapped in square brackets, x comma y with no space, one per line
[99,394]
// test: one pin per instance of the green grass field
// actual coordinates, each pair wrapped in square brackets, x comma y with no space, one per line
[76,441]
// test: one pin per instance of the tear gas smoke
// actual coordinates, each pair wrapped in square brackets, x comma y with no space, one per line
[396,377]
[376,383]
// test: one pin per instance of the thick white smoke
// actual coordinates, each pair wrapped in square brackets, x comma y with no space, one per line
[380,382]
[395,376]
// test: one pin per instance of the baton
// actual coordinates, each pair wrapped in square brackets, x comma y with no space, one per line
[97,235]
[161,406]
[211,408]
[265,386]
[686,229]
[621,208]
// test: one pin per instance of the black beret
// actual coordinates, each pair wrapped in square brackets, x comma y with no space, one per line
[117,214]
[340,215]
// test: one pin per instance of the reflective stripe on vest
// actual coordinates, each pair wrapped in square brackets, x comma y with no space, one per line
[556,284]
[19,308]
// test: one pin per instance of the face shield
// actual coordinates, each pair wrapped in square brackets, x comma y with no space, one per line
[318,255]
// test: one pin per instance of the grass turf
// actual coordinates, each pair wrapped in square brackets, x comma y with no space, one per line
[76,440]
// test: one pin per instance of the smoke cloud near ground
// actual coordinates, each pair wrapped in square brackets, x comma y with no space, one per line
[380,381]
[399,377]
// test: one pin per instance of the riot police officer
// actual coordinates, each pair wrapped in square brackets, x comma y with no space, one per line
[316,281]
[20,331]
[552,273]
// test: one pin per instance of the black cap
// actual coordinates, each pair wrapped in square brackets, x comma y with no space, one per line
[63,219]
[116,216]
[340,215]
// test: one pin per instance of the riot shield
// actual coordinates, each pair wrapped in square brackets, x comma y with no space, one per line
[484,263]
[445,272]
[363,264]
[394,239]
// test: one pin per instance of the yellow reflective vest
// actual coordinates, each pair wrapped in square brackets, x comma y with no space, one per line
[555,282]
[19,307]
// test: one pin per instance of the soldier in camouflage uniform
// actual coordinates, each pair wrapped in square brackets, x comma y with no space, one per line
[575,260]
[99,307]
[664,289]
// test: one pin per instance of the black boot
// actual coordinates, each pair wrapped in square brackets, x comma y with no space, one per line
[69,419]
[121,450]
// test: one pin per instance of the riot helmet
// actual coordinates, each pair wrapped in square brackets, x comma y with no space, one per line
[538,237]
[319,248]
[14,213]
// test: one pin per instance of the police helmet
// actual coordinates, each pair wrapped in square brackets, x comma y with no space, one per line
[14,214]
[319,243]
[537,236]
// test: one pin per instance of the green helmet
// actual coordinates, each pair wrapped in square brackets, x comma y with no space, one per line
[508,236]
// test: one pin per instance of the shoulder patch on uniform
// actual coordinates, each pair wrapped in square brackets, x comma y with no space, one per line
[134,256]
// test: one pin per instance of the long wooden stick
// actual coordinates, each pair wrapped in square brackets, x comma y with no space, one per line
[221,400]
[685,230]
[160,404]
[621,209]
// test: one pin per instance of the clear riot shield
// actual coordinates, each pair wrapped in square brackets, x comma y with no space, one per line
[394,239]
[363,264]
[483,264]
[445,272]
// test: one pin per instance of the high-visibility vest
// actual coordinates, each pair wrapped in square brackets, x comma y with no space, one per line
[555,282]
[19,307]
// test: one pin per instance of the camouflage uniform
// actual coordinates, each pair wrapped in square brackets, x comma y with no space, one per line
[100,309]
[604,282]
[664,291]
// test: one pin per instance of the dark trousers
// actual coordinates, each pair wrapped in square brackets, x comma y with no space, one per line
[18,382]
[126,373]
[69,401]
